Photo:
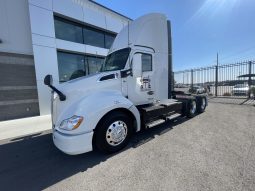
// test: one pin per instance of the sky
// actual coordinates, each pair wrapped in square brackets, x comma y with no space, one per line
[201,28]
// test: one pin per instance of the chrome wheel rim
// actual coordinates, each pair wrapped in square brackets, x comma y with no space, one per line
[203,104]
[116,133]
[193,107]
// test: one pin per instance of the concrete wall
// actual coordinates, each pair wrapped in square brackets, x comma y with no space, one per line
[45,44]
[15,32]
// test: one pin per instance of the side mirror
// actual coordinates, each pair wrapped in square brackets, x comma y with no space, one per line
[126,73]
[48,80]
[137,65]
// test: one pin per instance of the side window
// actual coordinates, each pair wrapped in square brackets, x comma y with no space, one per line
[146,62]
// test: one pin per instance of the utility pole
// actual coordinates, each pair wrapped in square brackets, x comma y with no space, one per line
[216,76]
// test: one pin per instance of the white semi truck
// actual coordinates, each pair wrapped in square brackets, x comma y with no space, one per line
[133,91]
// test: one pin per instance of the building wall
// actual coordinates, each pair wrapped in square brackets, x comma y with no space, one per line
[46,45]
[18,91]
[28,49]
[15,32]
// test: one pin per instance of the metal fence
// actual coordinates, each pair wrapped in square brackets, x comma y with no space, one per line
[232,80]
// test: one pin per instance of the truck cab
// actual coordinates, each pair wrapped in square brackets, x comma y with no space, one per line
[132,91]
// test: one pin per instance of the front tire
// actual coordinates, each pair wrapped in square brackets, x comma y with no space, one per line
[113,132]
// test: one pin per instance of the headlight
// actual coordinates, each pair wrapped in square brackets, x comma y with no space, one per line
[71,123]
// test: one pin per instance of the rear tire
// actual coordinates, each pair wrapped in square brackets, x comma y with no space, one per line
[191,108]
[113,132]
[201,105]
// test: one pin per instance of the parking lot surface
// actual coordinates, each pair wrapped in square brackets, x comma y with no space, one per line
[213,151]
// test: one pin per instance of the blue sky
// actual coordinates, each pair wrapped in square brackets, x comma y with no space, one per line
[201,28]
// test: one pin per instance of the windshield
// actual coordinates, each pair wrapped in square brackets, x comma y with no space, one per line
[116,60]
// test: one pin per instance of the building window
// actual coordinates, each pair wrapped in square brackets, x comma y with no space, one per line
[94,64]
[71,66]
[93,37]
[67,30]
[146,62]
[75,32]
[109,40]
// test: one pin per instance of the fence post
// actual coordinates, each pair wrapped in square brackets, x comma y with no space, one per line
[216,77]
[249,80]
[183,78]
[192,79]
[216,81]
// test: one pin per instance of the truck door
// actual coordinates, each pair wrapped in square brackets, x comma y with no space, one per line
[141,83]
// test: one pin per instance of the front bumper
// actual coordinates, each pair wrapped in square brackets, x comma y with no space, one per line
[73,144]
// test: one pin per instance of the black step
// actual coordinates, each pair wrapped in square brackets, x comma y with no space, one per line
[157,122]
[161,110]
[174,116]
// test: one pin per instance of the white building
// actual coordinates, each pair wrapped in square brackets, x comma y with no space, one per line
[65,38]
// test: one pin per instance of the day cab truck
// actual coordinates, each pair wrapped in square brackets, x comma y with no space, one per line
[133,91]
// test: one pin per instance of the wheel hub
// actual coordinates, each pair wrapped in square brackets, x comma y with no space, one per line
[116,133]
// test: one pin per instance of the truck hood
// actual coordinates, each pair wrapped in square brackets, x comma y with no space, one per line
[78,89]
[86,84]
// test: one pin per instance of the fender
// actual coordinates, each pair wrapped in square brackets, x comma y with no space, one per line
[94,106]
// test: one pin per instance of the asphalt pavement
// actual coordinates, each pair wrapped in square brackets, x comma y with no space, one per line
[213,151]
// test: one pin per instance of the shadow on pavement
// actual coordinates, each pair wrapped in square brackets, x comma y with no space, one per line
[34,163]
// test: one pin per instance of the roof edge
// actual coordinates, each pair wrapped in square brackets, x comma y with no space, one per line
[110,9]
